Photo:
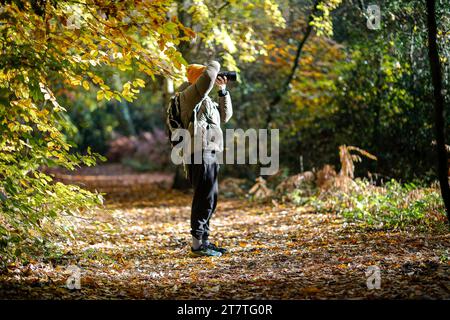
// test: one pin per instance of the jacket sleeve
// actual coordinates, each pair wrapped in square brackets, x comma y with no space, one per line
[225,107]
[193,94]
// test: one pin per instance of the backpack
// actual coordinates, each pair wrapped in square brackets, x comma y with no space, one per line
[173,122]
[173,117]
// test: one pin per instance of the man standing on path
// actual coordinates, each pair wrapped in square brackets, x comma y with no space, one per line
[201,116]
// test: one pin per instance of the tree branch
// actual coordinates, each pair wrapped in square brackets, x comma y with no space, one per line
[301,44]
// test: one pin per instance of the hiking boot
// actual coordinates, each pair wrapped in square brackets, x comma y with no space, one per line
[204,251]
[212,246]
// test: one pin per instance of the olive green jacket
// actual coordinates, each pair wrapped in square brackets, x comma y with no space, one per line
[210,114]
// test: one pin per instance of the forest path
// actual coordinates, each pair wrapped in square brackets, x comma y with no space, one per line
[140,250]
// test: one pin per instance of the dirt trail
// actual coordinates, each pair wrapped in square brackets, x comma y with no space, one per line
[140,250]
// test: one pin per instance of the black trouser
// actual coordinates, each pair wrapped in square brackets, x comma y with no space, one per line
[203,177]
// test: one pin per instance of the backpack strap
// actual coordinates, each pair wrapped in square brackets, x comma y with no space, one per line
[195,113]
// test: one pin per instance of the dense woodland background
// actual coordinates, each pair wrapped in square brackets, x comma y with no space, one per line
[88,81]
[354,86]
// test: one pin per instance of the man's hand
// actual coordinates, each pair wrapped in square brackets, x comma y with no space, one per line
[221,82]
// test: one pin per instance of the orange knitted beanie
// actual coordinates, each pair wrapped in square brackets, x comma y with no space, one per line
[194,71]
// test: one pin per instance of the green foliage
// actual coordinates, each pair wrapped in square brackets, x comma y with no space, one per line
[72,72]
[301,196]
[223,32]
[375,94]
[322,21]
[46,51]
[393,206]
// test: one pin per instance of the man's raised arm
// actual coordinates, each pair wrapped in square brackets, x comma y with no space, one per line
[193,94]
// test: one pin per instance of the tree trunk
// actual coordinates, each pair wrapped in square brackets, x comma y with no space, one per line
[180,182]
[436,75]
